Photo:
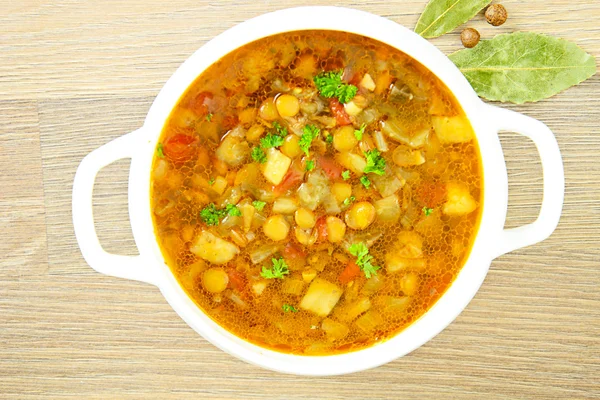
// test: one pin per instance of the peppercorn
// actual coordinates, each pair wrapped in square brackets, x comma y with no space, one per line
[496,14]
[469,37]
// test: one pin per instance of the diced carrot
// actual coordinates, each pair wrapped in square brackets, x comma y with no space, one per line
[351,272]
[199,104]
[321,227]
[330,166]
[430,194]
[237,280]
[292,251]
[230,122]
[338,111]
[180,148]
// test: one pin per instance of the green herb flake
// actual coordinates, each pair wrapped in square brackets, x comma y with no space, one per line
[346,175]
[360,132]
[427,211]
[310,133]
[365,181]
[259,155]
[271,140]
[233,210]
[310,165]
[210,215]
[160,151]
[329,139]
[330,84]
[259,205]
[375,163]
[211,181]
[363,259]
[209,117]
[349,200]
[289,308]
[278,270]
[281,131]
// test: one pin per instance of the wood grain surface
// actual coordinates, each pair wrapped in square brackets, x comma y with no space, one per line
[75,74]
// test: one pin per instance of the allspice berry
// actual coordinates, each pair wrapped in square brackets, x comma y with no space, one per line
[496,14]
[469,37]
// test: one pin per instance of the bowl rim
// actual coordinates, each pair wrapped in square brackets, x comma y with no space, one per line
[450,304]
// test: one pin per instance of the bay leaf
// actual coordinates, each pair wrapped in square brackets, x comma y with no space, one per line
[523,67]
[442,16]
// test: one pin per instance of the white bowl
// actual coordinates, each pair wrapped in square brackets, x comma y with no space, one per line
[492,239]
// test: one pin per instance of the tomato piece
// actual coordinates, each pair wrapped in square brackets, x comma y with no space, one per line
[321,227]
[230,122]
[292,251]
[430,194]
[337,109]
[293,177]
[180,148]
[331,167]
[351,272]
[199,104]
[237,280]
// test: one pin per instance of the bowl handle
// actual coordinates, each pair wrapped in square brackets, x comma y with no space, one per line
[130,267]
[553,179]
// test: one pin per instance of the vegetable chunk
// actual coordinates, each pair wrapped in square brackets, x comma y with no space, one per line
[213,249]
[460,201]
[452,129]
[276,166]
[321,297]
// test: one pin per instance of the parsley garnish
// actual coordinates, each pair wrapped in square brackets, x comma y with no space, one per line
[210,215]
[310,132]
[259,205]
[349,200]
[310,165]
[211,181]
[259,155]
[274,139]
[363,259]
[209,117]
[279,269]
[288,308]
[359,132]
[346,175]
[329,138]
[281,131]
[160,151]
[365,181]
[375,163]
[427,211]
[330,85]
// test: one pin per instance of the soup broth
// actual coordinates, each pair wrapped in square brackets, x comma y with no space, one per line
[316,192]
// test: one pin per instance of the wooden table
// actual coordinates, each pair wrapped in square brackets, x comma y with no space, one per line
[75,74]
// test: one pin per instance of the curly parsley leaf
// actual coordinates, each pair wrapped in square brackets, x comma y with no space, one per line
[160,151]
[209,117]
[363,259]
[346,175]
[259,205]
[278,270]
[310,133]
[289,308]
[427,211]
[233,210]
[330,84]
[375,163]
[349,200]
[210,215]
[360,132]
[259,155]
[365,181]
[329,138]
[310,165]
[211,181]
[271,140]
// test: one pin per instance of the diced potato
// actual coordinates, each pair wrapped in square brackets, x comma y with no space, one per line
[259,287]
[344,138]
[409,244]
[219,185]
[387,184]
[247,116]
[276,227]
[352,107]
[334,330]
[268,111]
[306,237]
[409,284]
[254,133]
[309,275]
[215,280]
[388,209]
[360,215]
[233,151]
[287,105]
[369,321]
[395,263]
[391,303]
[305,218]
[336,229]
[292,286]
[312,192]
[455,129]
[405,157]
[248,173]
[276,166]
[354,162]
[341,191]
[214,249]
[354,309]
[290,146]
[306,66]
[459,200]
[285,205]
[248,211]
[321,297]
[367,82]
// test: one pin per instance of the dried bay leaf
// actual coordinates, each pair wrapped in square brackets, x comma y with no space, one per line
[523,67]
[442,16]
